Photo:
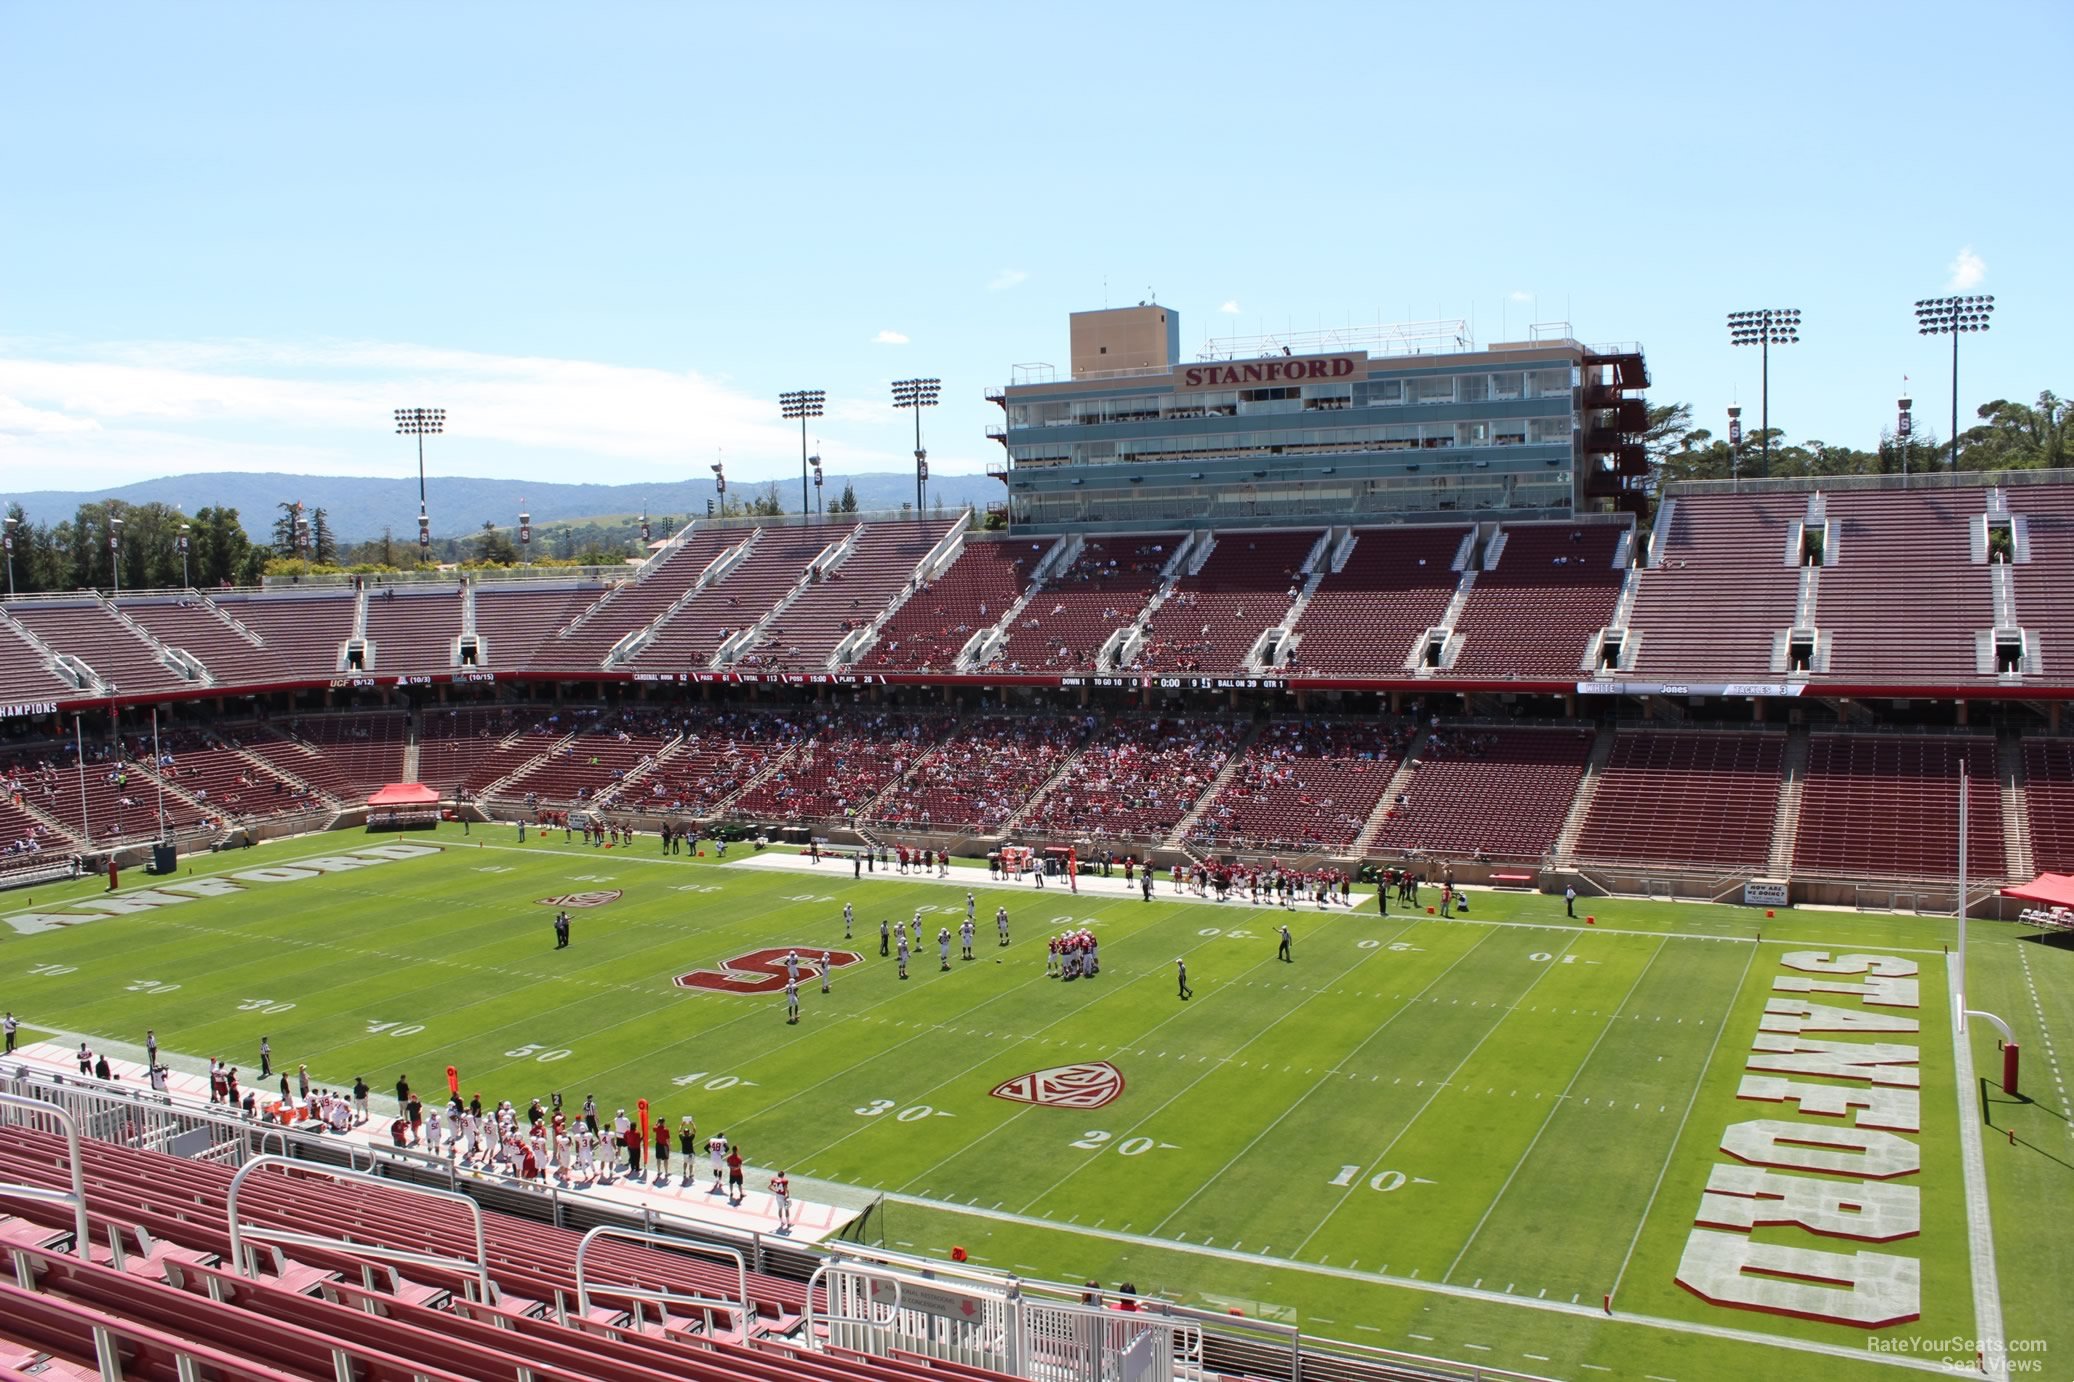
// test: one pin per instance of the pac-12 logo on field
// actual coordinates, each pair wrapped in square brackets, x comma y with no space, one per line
[590,899]
[1090,1084]
[763,971]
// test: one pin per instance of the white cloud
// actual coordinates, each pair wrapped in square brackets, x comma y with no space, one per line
[127,410]
[1006,279]
[1967,270]
[1520,295]
[889,338]
[1230,308]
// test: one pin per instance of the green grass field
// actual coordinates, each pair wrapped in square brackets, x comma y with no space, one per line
[1443,1137]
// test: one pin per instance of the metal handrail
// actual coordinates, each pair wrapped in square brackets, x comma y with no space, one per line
[76,1197]
[807,1316]
[740,1306]
[244,1266]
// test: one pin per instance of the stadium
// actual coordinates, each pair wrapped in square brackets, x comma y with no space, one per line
[1515,918]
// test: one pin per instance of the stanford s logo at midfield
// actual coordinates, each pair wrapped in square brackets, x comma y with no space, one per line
[763,971]
[1090,1084]
[590,899]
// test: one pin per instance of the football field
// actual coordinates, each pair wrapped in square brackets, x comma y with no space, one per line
[1453,1137]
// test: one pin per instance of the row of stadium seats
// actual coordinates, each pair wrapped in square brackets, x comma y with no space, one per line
[158,1283]
[1871,805]
[1726,584]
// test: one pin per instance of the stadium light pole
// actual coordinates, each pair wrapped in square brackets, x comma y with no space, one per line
[181,542]
[1904,426]
[421,423]
[1951,317]
[8,530]
[819,512]
[115,553]
[1765,328]
[525,536]
[1735,443]
[918,394]
[802,404]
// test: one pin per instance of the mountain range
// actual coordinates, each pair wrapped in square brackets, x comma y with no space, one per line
[359,507]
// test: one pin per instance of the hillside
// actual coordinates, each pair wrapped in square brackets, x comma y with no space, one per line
[359,507]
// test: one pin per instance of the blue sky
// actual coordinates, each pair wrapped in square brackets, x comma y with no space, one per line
[605,237]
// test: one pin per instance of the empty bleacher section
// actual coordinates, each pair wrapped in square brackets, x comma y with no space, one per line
[86,630]
[1364,618]
[514,622]
[979,776]
[1136,779]
[302,635]
[25,677]
[171,1304]
[1214,617]
[927,633]
[776,563]
[1900,597]
[1533,612]
[2044,585]
[348,756]
[1063,627]
[188,622]
[582,644]
[1723,590]
[1304,784]
[2049,802]
[223,782]
[847,597]
[1685,798]
[1500,794]
[840,763]
[413,628]
[454,741]
[1887,806]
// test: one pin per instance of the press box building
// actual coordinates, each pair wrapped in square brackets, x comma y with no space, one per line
[1386,425]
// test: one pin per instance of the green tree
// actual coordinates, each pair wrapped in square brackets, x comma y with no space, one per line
[323,545]
[493,547]
[848,502]
[2014,436]
[284,543]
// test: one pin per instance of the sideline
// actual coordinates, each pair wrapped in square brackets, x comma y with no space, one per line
[1980,1231]
[1583,1312]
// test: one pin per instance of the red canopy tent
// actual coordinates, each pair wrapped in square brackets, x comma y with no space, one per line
[2052,896]
[404,794]
[402,804]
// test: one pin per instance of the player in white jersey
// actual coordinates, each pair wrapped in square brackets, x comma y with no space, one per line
[826,970]
[1001,923]
[971,904]
[943,948]
[792,999]
[562,1156]
[965,938]
[586,1153]
[792,968]
[849,917]
[716,1150]
[900,954]
[915,926]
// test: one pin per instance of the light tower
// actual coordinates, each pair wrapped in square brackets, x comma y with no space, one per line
[421,423]
[181,543]
[1951,317]
[802,404]
[115,553]
[525,535]
[918,394]
[1735,442]
[1765,328]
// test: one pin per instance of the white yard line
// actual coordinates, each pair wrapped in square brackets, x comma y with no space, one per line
[1262,1134]
[1980,1231]
[1383,1156]
[1555,1106]
[1698,1083]
[1258,1261]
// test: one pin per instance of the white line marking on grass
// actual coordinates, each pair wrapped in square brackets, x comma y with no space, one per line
[1422,1338]
[1262,1134]
[1381,1157]
[1572,1310]
[1980,1231]
[1492,1208]
[1481,1348]
[1677,1136]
